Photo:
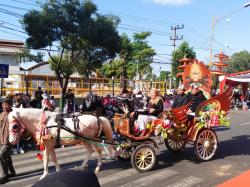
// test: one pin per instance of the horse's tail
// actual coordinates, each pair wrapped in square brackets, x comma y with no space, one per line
[107,129]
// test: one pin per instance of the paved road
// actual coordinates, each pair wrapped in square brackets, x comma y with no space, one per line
[173,170]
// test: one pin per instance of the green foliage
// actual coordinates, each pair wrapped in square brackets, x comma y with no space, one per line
[26,55]
[133,53]
[239,61]
[125,56]
[143,54]
[66,68]
[182,51]
[164,75]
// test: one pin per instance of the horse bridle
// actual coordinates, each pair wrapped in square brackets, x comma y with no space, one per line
[17,127]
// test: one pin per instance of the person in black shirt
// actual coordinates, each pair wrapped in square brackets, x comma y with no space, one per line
[196,98]
[38,98]
[70,101]
[181,97]
[139,105]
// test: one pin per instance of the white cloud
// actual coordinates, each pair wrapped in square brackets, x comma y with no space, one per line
[173,2]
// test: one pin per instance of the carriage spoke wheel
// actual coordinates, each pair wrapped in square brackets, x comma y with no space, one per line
[143,158]
[205,144]
[175,144]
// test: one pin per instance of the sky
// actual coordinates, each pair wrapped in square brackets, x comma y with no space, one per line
[158,16]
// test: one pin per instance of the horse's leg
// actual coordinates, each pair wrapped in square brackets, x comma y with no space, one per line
[53,156]
[90,151]
[45,162]
[99,164]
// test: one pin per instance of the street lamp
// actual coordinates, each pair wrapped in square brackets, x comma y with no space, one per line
[214,22]
[227,44]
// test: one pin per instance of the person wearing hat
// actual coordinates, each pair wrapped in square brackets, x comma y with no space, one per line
[6,166]
[181,97]
[139,105]
[196,98]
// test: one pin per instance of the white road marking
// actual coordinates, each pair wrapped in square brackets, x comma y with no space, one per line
[59,156]
[118,175]
[242,124]
[187,182]
[148,180]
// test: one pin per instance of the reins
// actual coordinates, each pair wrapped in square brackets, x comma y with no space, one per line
[61,125]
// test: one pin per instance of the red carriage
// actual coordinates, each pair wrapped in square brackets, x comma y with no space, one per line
[199,131]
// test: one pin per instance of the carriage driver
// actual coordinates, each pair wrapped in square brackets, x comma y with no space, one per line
[139,105]
[6,166]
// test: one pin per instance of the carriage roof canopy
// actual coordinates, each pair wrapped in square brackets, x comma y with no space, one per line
[243,76]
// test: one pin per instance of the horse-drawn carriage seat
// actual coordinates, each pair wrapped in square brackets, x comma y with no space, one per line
[122,126]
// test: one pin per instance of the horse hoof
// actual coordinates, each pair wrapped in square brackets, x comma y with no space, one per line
[97,170]
[43,176]
[85,167]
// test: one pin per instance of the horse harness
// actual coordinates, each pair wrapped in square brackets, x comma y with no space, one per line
[61,125]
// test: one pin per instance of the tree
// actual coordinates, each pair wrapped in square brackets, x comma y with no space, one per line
[164,75]
[182,51]
[239,61]
[84,38]
[125,56]
[25,55]
[136,54]
[143,54]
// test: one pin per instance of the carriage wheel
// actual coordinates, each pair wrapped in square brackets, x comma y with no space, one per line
[143,158]
[125,155]
[205,144]
[175,144]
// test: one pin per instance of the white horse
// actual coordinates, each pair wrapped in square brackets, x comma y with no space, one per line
[30,119]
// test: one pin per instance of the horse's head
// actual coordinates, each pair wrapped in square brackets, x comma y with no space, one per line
[16,128]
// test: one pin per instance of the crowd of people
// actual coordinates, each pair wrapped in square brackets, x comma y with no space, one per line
[240,100]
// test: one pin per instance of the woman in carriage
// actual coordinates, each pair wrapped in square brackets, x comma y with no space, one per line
[154,110]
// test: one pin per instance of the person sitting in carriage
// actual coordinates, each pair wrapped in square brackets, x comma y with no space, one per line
[196,97]
[155,108]
[140,103]
[181,97]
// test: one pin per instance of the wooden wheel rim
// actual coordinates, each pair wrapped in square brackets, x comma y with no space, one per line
[144,158]
[175,144]
[206,144]
[125,154]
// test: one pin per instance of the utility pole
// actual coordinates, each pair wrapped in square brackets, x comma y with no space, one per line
[175,37]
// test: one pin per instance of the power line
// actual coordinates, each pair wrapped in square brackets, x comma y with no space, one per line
[12,34]
[22,2]
[10,13]
[9,6]
[10,24]
[148,29]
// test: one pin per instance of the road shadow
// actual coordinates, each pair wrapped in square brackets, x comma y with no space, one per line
[234,147]
[218,129]
[237,145]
